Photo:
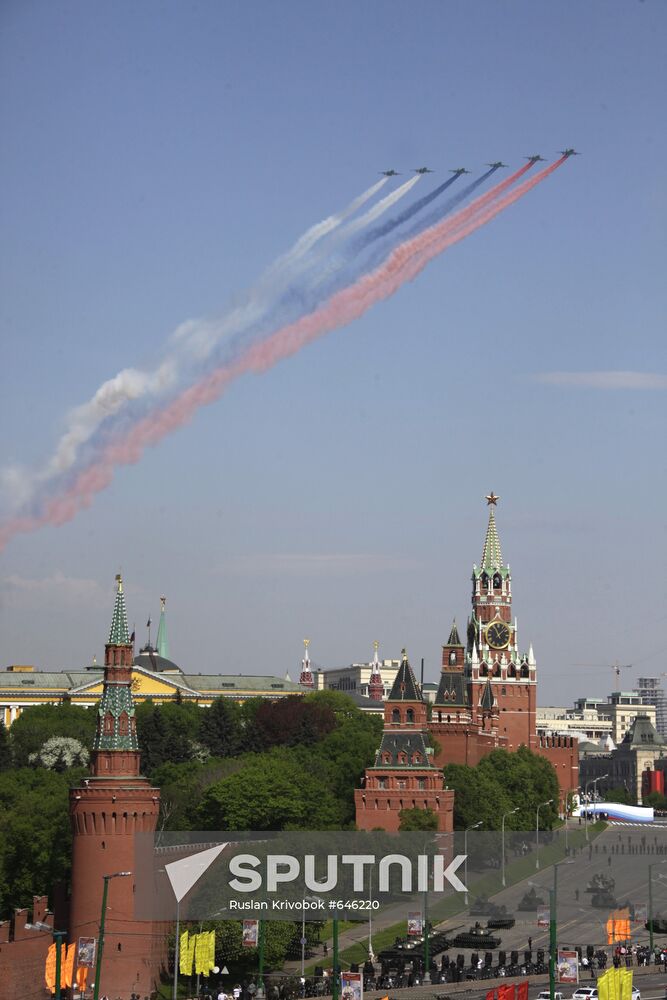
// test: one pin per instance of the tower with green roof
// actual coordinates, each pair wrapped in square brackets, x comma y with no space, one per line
[107,811]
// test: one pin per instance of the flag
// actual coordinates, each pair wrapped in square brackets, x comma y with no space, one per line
[82,978]
[184,954]
[491,995]
[615,984]
[67,970]
[522,991]
[211,950]
[50,968]
[506,992]
[132,636]
[149,622]
[201,953]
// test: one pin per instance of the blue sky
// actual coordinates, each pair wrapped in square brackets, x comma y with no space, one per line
[160,155]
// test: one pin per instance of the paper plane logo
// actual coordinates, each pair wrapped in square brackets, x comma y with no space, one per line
[183,874]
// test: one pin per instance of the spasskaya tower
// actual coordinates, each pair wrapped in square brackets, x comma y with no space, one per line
[493,655]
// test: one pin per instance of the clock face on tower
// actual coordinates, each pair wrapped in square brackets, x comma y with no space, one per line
[498,635]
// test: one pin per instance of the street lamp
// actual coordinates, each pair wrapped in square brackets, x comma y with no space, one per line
[100,943]
[502,852]
[593,782]
[465,854]
[58,938]
[650,901]
[537,831]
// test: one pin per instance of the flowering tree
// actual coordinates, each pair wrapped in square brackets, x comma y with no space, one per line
[60,753]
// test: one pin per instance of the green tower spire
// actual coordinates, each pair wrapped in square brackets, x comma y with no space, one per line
[119,633]
[162,643]
[491,556]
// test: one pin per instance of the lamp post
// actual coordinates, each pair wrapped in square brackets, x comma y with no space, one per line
[502,851]
[100,943]
[593,782]
[465,852]
[335,980]
[58,939]
[537,831]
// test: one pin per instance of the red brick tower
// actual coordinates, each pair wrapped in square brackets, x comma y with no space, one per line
[493,649]
[106,811]
[375,685]
[306,676]
[402,776]
[464,731]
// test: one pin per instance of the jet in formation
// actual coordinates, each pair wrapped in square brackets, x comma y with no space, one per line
[423,170]
[497,164]
[389,173]
[459,170]
[534,159]
[569,152]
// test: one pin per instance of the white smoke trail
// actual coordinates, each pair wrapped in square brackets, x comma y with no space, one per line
[321,229]
[191,342]
[377,210]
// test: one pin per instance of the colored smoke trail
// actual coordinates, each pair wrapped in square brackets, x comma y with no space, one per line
[403,216]
[191,343]
[403,265]
[321,229]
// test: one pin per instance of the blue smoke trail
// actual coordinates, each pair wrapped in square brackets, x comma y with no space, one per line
[404,216]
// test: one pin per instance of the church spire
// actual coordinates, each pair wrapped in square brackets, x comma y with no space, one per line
[491,556]
[162,643]
[119,633]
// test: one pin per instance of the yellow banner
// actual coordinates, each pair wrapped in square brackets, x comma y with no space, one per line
[615,984]
[186,954]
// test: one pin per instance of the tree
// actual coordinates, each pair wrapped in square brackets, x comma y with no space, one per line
[528,780]
[221,728]
[35,833]
[38,723]
[655,799]
[271,792]
[168,733]
[292,721]
[417,819]
[60,753]
[477,797]
[620,795]
[5,749]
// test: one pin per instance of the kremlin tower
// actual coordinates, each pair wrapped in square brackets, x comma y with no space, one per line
[375,685]
[402,776]
[106,811]
[306,676]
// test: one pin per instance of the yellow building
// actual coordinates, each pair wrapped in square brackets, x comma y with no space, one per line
[154,677]
[21,686]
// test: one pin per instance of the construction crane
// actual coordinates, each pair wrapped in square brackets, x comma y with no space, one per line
[616,667]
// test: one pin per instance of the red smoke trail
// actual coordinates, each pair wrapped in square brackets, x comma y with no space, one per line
[403,264]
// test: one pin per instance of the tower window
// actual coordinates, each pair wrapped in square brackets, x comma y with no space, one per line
[410,715]
[497,581]
[452,657]
[395,715]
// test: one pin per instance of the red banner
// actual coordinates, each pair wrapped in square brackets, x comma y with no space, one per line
[522,991]
[491,995]
[507,992]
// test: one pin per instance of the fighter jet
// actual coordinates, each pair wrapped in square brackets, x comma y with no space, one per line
[423,170]
[389,173]
[569,152]
[459,170]
[497,164]
[534,159]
